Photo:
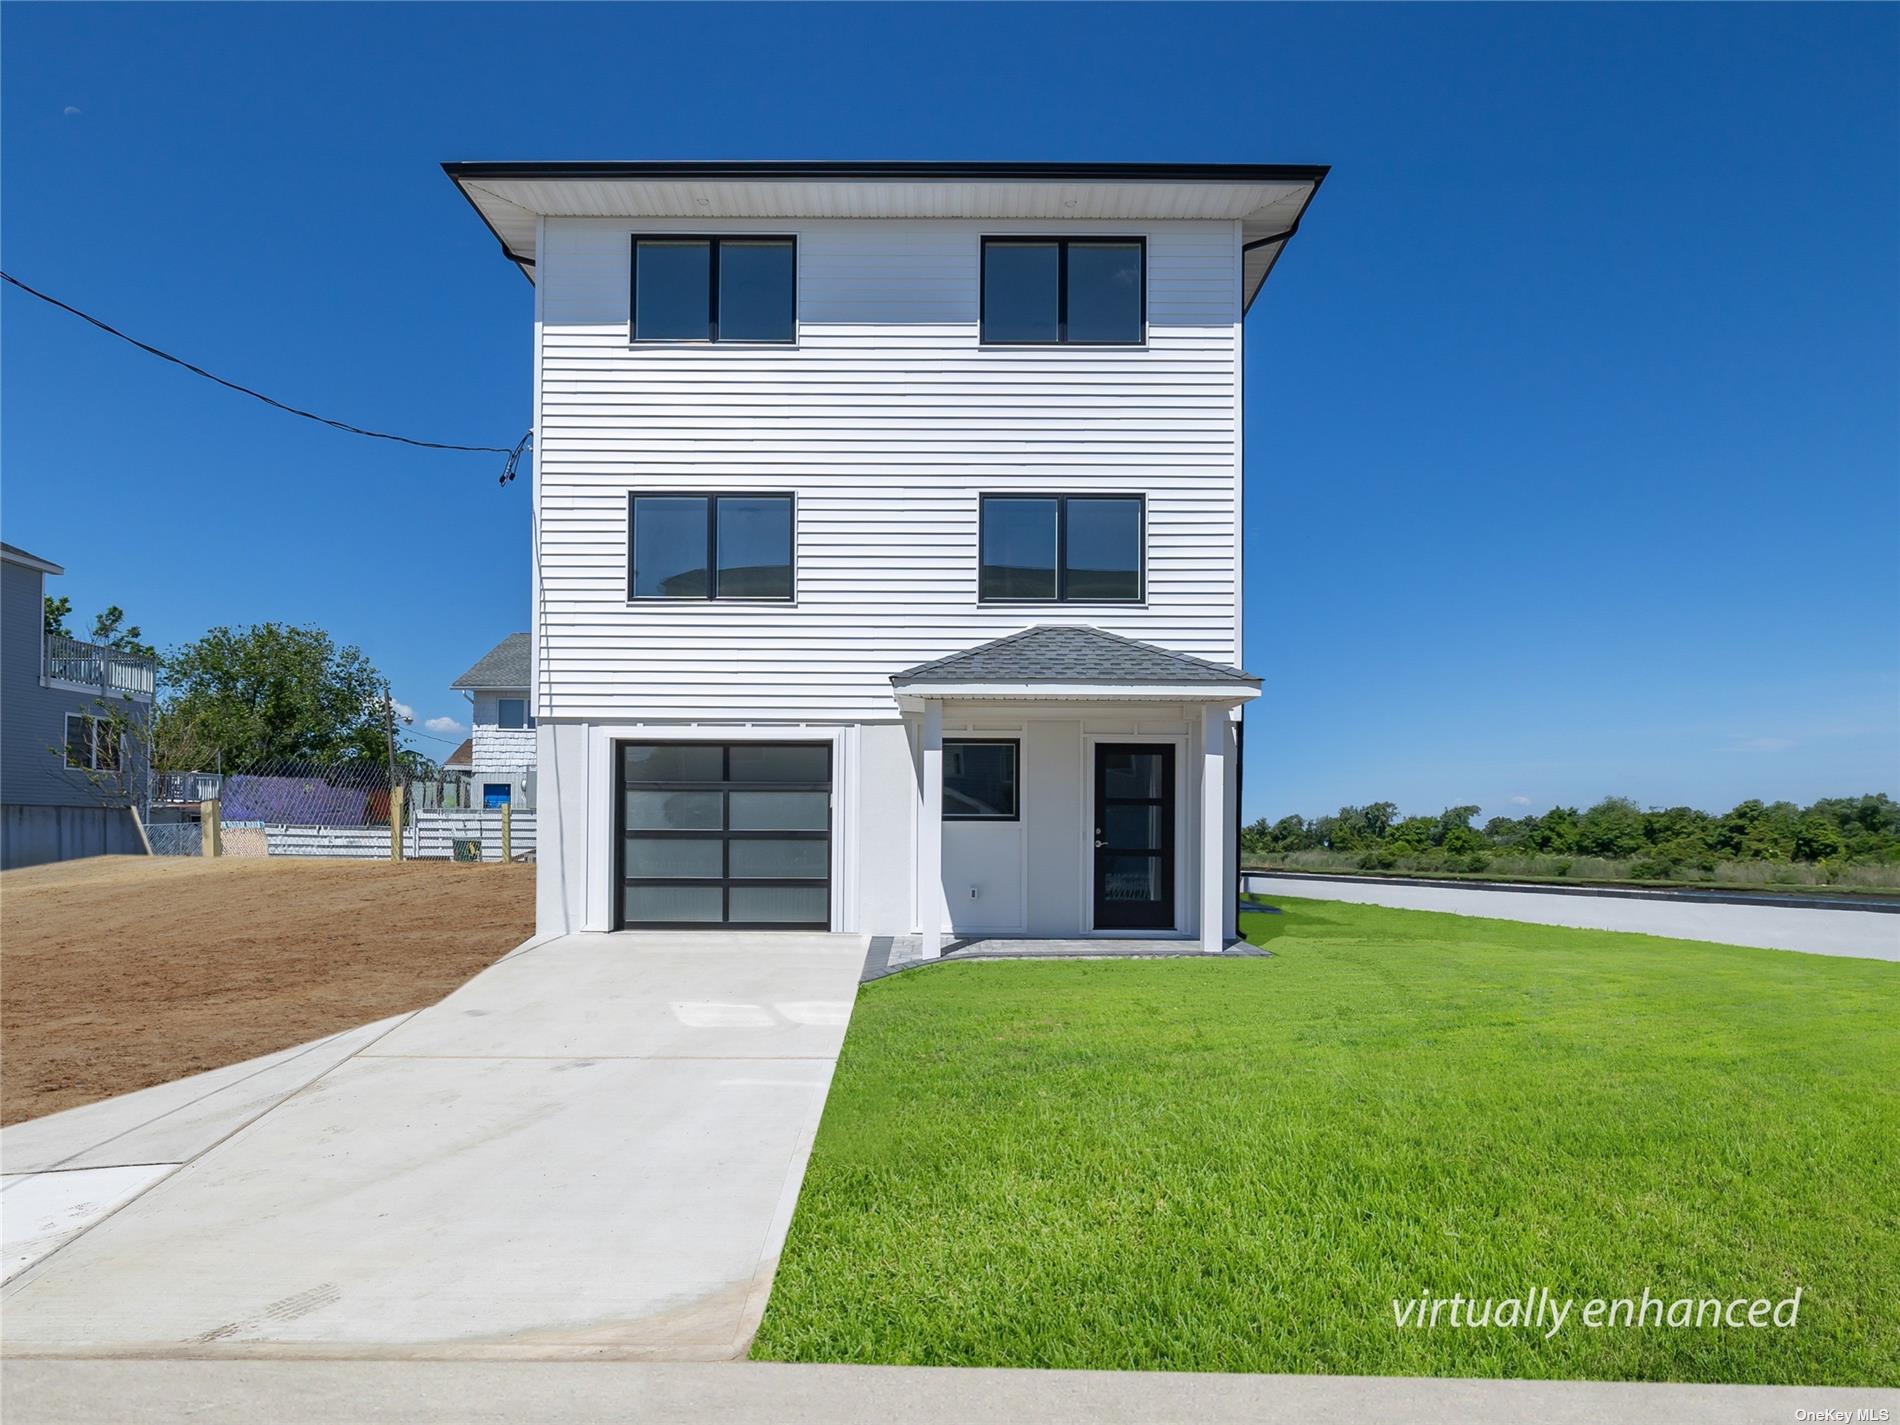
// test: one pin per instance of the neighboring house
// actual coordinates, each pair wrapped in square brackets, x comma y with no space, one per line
[501,744]
[888,522]
[72,730]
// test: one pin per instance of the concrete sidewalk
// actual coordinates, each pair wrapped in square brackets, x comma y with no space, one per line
[1860,934]
[593,1147]
[68,1171]
[488,1393]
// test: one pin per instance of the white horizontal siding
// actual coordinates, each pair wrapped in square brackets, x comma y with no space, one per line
[887,420]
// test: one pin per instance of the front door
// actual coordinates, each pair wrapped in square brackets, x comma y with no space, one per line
[1134,836]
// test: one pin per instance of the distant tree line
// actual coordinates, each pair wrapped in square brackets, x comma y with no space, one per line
[1659,843]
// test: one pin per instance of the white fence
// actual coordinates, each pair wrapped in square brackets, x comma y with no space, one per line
[429,836]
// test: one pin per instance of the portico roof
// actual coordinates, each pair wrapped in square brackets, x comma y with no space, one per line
[1075,661]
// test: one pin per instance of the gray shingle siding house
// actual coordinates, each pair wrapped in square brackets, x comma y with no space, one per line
[501,742]
[65,791]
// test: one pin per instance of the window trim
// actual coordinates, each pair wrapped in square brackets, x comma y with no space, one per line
[1062,285]
[93,724]
[1015,744]
[1062,499]
[712,290]
[712,498]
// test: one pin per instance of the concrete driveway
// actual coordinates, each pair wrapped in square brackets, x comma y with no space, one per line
[594,1147]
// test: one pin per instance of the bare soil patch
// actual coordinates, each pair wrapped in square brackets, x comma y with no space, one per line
[120,972]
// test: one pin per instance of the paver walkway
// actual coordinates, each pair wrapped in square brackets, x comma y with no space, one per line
[593,1147]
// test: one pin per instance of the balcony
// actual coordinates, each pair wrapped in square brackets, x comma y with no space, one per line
[185,788]
[95,667]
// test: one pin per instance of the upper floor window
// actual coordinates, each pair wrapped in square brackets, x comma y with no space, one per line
[1086,548]
[512,713]
[735,288]
[709,547]
[1080,291]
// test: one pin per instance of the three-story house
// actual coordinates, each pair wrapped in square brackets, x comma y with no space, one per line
[887,539]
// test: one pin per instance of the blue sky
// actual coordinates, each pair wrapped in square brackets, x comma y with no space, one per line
[1573,413]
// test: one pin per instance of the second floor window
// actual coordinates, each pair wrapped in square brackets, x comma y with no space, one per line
[1086,548]
[709,546]
[512,713]
[1057,291]
[735,288]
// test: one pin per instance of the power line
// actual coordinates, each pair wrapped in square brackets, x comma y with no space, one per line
[514,454]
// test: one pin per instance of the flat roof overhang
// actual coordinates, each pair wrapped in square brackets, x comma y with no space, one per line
[1268,200]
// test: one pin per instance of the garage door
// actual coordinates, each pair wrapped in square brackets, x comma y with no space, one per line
[725,833]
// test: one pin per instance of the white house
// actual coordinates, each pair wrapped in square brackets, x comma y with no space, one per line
[501,742]
[887,539]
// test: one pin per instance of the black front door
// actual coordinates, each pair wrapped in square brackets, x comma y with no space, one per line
[1134,836]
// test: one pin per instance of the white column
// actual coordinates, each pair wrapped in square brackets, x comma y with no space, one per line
[930,833]
[1215,892]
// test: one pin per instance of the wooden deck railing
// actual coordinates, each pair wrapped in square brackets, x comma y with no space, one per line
[111,670]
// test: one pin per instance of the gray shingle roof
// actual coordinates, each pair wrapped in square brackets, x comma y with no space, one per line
[16,555]
[506,665]
[1070,653]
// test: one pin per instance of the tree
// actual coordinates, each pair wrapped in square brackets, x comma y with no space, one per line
[1454,831]
[1613,827]
[106,629]
[1817,839]
[270,692]
[57,612]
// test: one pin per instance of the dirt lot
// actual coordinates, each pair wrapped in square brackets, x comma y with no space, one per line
[121,972]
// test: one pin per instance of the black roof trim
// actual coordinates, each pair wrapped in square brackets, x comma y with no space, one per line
[808,171]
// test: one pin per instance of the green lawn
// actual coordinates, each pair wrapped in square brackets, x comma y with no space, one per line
[1237,1165]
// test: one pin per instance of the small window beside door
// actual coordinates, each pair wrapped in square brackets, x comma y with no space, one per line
[1064,291]
[733,288]
[980,780]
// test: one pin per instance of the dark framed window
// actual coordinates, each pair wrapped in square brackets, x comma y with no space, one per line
[704,546]
[724,834]
[512,713]
[1061,548]
[91,744]
[1076,291]
[700,287]
[980,779]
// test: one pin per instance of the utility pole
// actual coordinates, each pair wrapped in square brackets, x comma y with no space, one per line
[389,733]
